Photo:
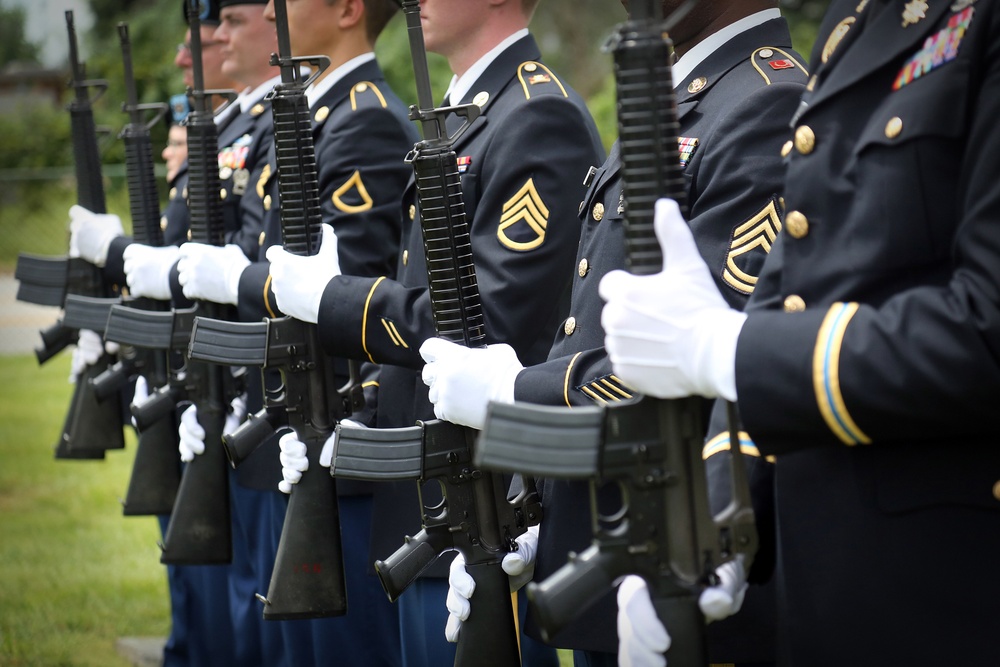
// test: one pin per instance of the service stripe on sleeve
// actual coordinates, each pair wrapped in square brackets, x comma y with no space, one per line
[826,374]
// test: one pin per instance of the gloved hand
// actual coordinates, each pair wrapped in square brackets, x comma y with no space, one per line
[519,566]
[642,639]
[298,281]
[464,380]
[89,348]
[90,234]
[211,273]
[147,270]
[139,395]
[672,334]
[294,461]
[192,434]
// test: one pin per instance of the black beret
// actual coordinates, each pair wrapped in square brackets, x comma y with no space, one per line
[229,3]
[209,11]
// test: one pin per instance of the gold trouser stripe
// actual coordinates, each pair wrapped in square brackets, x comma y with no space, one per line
[371,383]
[826,374]
[517,621]
[364,320]
[267,302]
[566,379]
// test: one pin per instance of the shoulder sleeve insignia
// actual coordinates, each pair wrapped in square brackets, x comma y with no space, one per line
[607,389]
[532,73]
[767,55]
[394,335]
[722,443]
[265,174]
[366,87]
[524,219]
[756,233]
[353,184]
[687,146]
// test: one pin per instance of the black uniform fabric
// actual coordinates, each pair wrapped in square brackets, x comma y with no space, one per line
[361,135]
[733,110]
[524,160]
[868,364]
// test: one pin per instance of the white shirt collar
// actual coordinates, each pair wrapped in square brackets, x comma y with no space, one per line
[249,97]
[687,63]
[460,86]
[317,90]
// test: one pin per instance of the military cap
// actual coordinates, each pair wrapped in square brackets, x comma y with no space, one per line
[230,3]
[209,11]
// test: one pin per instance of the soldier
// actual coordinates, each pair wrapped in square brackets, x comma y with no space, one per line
[866,360]
[361,134]
[521,164]
[737,81]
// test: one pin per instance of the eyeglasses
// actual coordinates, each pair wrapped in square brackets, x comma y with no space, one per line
[186,46]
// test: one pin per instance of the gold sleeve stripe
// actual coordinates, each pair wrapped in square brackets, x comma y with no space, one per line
[388,330]
[569,368]
[593,395]
[604,391]
[372,383]
[267,302]
[767,79]
[372,87]
[826,374]
[722,443]
[364,320]
[402,342]
[524,84]
[614,388]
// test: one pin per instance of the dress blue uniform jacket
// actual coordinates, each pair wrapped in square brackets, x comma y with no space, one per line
[523,160]
[868,365]
[733,111]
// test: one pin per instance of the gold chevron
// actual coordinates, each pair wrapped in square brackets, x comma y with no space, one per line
[526,205]
[758,232]
[354,182]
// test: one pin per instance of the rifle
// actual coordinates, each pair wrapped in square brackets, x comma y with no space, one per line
[308,578]
[651,448]
[200,528]
[475,517]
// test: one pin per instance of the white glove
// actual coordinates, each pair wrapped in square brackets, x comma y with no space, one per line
[519,566]
[90,234]
[293,459]
[192,434]
[89,348]
[464,380]
[211,273]
[147,270]
[139,395]
[642,639]
[672,334]
[298,281]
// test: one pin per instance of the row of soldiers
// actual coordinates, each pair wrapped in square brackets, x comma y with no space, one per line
[861,354]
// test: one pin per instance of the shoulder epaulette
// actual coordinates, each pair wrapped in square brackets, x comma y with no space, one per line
[772,63]
[537,79]
[366,94]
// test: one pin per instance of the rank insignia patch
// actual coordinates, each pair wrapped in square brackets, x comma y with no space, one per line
[607,389]
[687,146]
[742,263]
[355,185]
[524,219]
[464,162]
[938,49]
[781,64]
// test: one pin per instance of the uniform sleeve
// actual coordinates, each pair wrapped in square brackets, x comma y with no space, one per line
[524,230]
[923,364]
[581,379]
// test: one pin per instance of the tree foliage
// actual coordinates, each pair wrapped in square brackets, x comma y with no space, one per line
[14,45]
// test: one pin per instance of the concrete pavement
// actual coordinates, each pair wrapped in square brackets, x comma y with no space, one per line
[20,322]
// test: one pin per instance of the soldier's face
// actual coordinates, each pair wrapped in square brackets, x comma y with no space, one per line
[211,59]
[248,40]
[452,27]
[310,24]
[175,152]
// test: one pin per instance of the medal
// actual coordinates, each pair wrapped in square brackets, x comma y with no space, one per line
[915,10]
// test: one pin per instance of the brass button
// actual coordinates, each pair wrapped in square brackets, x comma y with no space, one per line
[584,267]
[267,202]
[797,224]
[598,211]
[173,193]
[189,235]
[257,110]
[406,257]
[996,490]
[794,304]
[765,53]
[696,85]
[481,98]
[894,127]
[786,149]
[163,223]
[223,194]
[530,67]
[570,326]
[184,192]
[321,114]
[805,139]
[361,87]
[413,211]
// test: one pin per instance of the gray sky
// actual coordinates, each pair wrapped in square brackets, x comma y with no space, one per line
[46,26]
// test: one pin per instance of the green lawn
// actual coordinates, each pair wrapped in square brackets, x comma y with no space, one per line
[74,573]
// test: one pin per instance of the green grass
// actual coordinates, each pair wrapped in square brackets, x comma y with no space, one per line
[74,573]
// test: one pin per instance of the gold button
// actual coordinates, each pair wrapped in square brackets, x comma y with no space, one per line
[794,304]
[797,224]
[786,149]
[225,173]
[996,490]
[267,202]
[894,127]
[805,139]
[697,84]
[361,87]
[189,235]
[598,211]
[781,203]
[570,326]
[481,98]
[223,194]
[257,110]
[530,67]
[163,223]
[173,192]
[321,114]
[765,53]
[406,257]
[184,192]
[413,211]
[584,267]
